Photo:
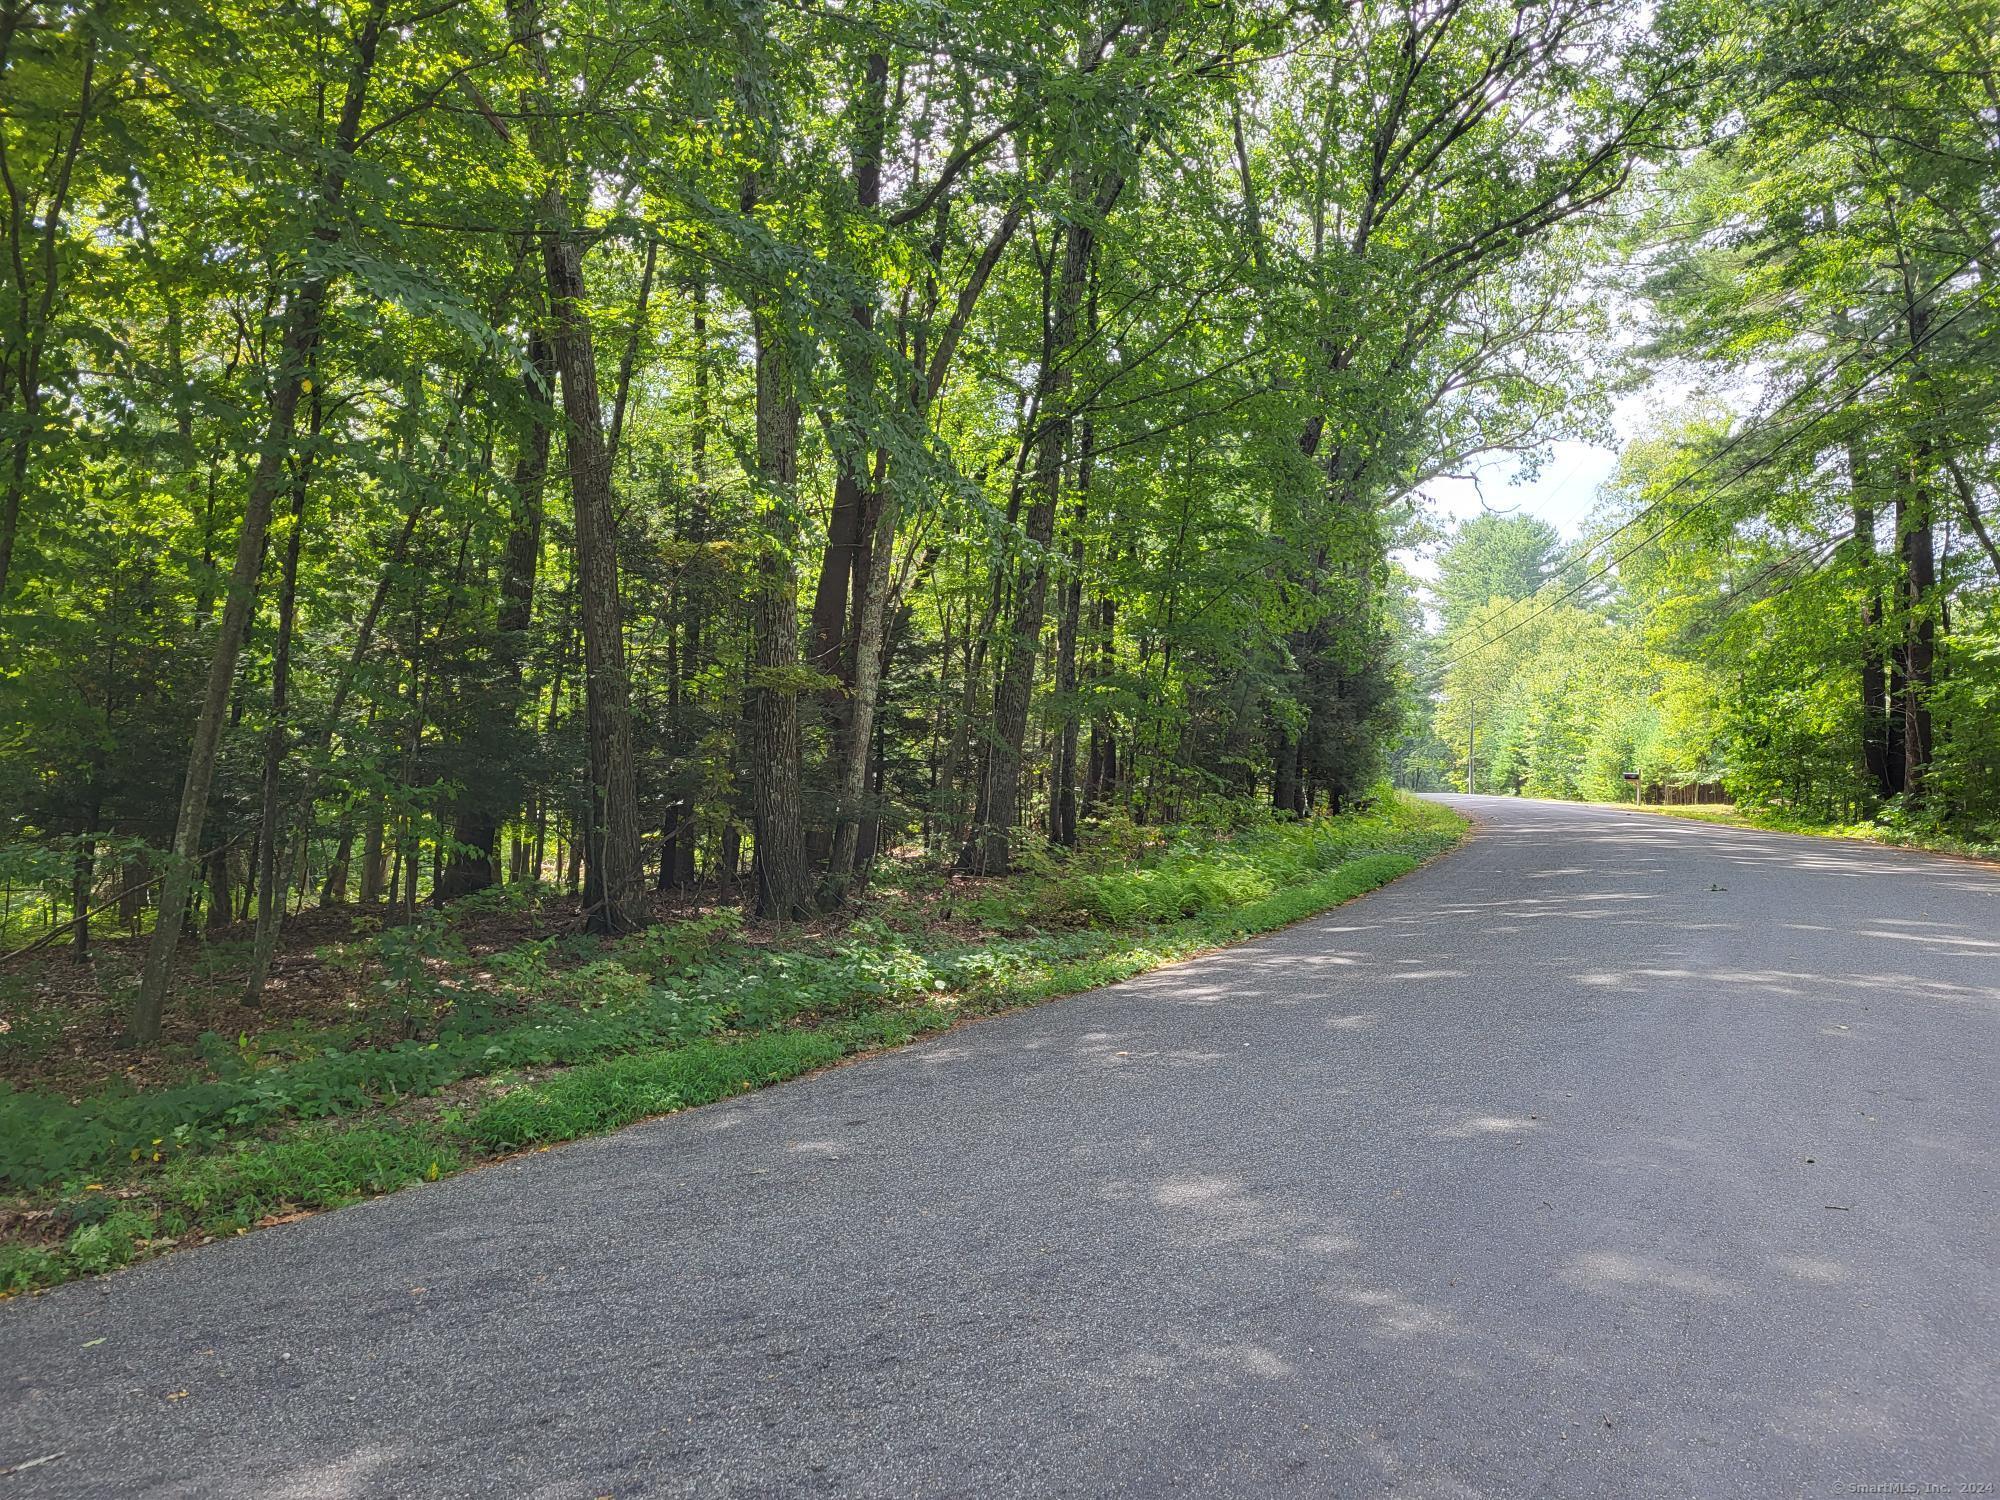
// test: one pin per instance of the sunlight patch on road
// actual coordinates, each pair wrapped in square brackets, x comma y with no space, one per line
[1816,1269]
[1189,1192]
[1611,1270]
[1480,1125]
[1395,1315]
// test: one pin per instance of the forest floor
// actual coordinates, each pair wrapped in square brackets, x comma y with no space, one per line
[384,1055]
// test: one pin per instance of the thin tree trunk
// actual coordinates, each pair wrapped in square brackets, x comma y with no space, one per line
[333,890]
[373,838]
[476,820]
[988,850]
[628,360]
[1062,790]
[270,836]
[302,329]
[1968,504]
[1100,781]
[614,890]
[1874,715]
[132,898]
[1913,526]
[858,730]
[678,861]
[1915,548]
[83,876]
[612,896]
[219,913]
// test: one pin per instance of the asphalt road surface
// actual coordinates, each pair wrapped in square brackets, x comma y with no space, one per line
[1607,1156]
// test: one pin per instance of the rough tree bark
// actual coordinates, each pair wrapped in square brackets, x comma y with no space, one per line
[857,731]
[613,897]
[613,891]
[779,867]
[848,532]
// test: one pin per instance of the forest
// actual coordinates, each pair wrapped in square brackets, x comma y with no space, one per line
[1786,595]
[619,468]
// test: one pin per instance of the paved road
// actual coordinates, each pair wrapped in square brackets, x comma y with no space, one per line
[1608,1156]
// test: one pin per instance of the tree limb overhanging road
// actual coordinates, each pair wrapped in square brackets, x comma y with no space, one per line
[1609,1155]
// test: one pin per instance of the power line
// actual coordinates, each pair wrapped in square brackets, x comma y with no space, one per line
[1853,354]
[1755,463]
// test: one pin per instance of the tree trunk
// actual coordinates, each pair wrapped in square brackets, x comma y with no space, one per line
[477,818]
[1285,774]
[220,913]
[1913,527]
[1916,553]
[132,893]
[333,890]
[613,897]
[987,850]
[270,851]
[372,840]
[83,878]
[836,572]
[1062,791]
[302,328]
[1968,504]
[1100,777]
[857,737]
[848,528]
[780,870]
[1874,709]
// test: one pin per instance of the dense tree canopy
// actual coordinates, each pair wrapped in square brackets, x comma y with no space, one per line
[628,445]
[1797,603]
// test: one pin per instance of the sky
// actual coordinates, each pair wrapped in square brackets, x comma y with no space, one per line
[1564,493]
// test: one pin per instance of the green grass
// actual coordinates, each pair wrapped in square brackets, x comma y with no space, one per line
[675,1018]
[1776,820]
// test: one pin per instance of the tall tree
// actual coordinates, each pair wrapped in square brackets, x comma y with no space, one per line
[306,306]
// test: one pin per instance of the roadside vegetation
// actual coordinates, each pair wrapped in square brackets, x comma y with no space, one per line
[1887,832]
[476,1032]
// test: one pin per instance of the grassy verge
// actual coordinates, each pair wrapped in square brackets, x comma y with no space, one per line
[513,1052]
[1774,820]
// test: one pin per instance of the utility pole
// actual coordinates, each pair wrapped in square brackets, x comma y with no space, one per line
[1471,723]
